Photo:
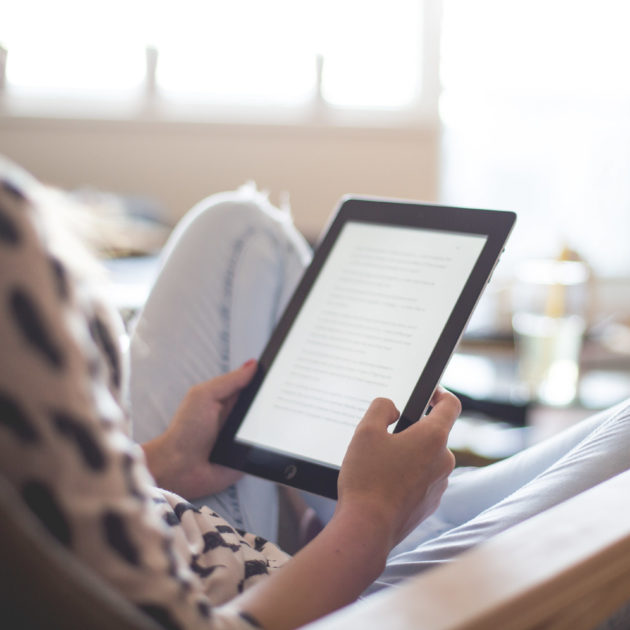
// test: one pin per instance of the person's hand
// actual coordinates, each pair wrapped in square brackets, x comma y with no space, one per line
[178,459]
[387,484]
[399,478]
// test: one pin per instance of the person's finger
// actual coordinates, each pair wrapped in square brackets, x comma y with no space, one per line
[381,412]
[439,391]
[226,385]
[444,411]
[446,408]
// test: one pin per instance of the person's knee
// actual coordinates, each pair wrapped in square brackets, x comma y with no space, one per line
[243,209]
[247,212]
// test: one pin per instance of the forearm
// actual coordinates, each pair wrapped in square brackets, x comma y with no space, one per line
[330,572]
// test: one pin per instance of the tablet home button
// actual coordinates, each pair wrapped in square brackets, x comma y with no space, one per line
[289,472]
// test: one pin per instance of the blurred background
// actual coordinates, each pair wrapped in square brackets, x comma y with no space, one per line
[144,107]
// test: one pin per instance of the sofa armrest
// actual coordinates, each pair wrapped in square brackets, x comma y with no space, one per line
[568,567]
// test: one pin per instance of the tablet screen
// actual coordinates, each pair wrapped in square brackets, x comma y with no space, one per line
[366,329]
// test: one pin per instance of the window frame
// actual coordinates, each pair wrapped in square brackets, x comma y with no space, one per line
[147,103]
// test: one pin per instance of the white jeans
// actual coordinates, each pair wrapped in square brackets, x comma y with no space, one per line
[228,270]
[226,274]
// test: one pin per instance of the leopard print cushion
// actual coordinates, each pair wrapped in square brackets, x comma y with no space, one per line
[64,442]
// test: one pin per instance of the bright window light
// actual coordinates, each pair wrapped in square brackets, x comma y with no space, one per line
[234,52]
[536,115]
[242,51]
[371,52]
[68,46]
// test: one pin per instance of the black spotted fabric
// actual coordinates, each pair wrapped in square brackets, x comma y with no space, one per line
[32,328]
[80,435]
[8,231]
[14,419]
[40,497]
[64,443]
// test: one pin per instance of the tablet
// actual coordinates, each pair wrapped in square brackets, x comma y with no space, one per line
[378,312]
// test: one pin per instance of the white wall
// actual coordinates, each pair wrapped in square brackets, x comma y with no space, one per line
[179,163]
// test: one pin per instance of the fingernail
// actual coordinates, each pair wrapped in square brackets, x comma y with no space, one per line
[248,363]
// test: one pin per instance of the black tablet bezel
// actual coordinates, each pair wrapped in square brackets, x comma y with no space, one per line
[320,478]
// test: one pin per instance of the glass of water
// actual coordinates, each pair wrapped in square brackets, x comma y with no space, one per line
[549,320]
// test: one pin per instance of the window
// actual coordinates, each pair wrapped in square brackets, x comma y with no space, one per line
[536,115]
[71,48]
[340,53]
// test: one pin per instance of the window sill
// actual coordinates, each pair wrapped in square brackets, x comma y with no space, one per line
[138,110]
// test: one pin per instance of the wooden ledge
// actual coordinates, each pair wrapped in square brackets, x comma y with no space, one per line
[568,567]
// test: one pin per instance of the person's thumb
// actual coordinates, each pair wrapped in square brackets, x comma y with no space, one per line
[381,413]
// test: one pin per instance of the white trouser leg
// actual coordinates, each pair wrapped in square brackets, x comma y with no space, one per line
[483,502]
[227,272]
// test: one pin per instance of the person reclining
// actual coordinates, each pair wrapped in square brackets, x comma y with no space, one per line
[158,522]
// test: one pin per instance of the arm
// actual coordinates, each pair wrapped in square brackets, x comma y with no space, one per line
[388,483]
